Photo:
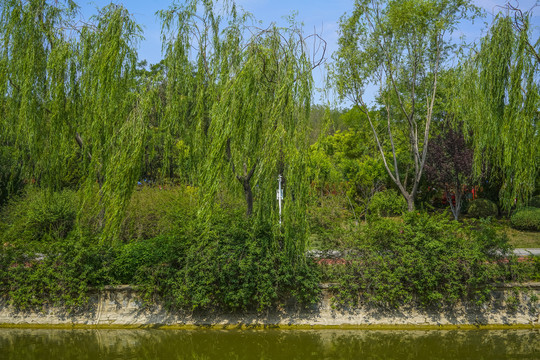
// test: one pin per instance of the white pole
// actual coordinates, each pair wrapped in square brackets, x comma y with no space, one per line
[279,197]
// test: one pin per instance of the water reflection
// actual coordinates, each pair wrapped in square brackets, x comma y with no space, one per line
[268,344]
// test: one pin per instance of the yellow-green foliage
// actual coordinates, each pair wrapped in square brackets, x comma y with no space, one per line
[423,259]
[482,208]
[38,215]
[156,210]
[526,219]
[342,161]
[387,203]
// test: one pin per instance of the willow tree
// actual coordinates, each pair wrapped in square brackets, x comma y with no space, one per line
[35,64]
[111,128]
[238,98]
[63,95]
[499,101]
[192,46]
[259,130]
[400,46]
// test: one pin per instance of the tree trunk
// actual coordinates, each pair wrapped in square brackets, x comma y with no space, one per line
[245,180]
[410,202]
[456,209]
[249,196]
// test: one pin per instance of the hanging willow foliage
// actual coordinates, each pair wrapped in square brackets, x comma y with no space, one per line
[111,131]
[65,96]
[499,100]
[199,52]
[238,98]
[258,131]
[34,86]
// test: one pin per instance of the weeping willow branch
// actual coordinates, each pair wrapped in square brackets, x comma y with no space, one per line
[239,98]
[63,84]
[500,91]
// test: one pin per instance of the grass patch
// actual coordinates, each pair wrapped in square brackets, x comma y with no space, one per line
[519,238]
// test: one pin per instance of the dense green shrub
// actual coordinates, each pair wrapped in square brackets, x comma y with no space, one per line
[230,267]
[425,259]
[526,219]
[233,267]
[482,208]
[387,203]
[134,261]
[535,201]
[331,222]
[236,263]
[38,215]
[229,263]
[155,210]
[58,273]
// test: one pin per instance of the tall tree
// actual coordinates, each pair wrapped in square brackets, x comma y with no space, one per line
[240,97]
[192,47]
[499,101]
[62,95]
[449,166]
[35,61]
[110,128]
[402,47]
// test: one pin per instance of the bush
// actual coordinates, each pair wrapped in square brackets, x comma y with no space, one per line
[154,211]
[230,267]
[482,208]
[387,203]
[134,262]
[526,219]
[332,225]
[38,215]
[58,274]
[428,260]
[234,266]
[231,263]
[535,201]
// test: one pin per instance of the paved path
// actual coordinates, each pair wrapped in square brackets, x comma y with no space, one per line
[526,252]
[332,254]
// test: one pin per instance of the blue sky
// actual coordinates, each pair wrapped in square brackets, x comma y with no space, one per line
[317,15]
[320,16]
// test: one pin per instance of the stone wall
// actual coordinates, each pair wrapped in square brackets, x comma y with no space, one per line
[120,306]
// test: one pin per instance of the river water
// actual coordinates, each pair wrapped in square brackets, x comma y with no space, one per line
[268,344]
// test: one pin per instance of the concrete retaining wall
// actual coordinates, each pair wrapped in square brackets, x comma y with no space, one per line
[120,306]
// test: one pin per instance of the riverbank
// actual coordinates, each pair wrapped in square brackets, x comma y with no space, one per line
[514,305]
